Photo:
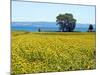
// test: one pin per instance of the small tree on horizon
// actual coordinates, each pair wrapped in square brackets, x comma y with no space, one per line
[66,22]
[39,30]
[90,29]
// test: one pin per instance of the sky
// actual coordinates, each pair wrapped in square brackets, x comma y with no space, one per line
[47,12]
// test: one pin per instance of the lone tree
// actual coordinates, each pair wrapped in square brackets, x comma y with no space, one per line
[90,29]
[39,30]
[66,22]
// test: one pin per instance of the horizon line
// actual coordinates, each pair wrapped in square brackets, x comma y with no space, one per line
[49,21]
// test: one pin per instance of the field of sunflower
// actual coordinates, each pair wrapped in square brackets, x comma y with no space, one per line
[36,52]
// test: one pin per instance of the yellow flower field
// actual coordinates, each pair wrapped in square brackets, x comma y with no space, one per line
[36,52]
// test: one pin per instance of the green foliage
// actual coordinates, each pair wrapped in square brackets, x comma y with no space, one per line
[90,28]
[66,22]
[52,52]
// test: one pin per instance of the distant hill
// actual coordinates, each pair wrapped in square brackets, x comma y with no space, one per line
[35,24]
[45,26]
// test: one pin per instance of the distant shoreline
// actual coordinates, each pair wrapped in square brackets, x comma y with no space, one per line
[45,26]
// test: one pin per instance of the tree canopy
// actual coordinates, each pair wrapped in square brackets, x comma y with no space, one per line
[90,29]
[66,22]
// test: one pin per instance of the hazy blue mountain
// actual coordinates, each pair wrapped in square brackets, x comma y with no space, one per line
[45,26]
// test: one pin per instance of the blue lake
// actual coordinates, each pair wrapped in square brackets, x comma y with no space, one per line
[45,26]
